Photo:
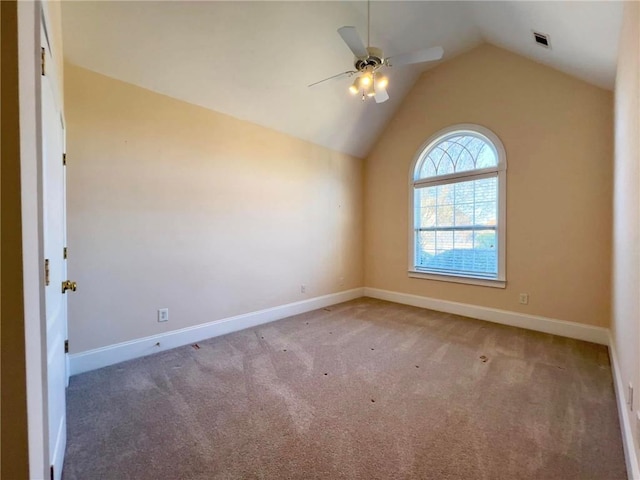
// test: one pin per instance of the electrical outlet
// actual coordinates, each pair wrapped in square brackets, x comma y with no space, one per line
[163,314]
[341,281]
[523,298]
[303,289]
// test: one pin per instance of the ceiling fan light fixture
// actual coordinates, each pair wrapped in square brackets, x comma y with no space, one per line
[355,86]
[369,60]
[382,82]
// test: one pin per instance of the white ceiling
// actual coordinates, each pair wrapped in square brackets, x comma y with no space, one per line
[254,60]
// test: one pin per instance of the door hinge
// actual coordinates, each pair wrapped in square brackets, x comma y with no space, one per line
[64,159]
[66,346]
[46,272]
[43,57]
[65,253]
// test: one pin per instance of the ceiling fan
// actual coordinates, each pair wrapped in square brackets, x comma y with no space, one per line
[369,60]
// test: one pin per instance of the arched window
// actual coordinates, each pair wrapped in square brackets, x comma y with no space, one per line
[458,200]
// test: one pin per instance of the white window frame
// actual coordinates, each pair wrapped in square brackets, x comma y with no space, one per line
[500,170]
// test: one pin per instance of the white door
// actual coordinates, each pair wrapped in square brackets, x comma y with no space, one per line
[54,223]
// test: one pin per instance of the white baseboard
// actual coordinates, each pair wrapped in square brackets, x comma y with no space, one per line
[120,352]
[625,416]
[530,322]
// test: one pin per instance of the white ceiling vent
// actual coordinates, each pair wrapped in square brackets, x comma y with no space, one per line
[542,39]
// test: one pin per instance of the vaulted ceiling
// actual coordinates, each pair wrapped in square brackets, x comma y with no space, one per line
[254,60]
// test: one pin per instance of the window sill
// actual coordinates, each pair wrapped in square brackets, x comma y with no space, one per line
[483,282]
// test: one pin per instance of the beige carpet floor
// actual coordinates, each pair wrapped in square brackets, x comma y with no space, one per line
[363,390]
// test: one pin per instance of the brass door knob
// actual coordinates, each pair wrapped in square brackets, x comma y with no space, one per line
[69,285]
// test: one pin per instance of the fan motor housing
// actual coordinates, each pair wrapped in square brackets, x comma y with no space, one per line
[374,60]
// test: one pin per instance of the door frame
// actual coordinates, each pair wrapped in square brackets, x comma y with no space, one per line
[30,17]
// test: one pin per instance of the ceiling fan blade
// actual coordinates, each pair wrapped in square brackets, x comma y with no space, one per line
[381,96]
[350,72]
[354,42]
[426,55]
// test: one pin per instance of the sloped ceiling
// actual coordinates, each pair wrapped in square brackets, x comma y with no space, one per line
[254,60]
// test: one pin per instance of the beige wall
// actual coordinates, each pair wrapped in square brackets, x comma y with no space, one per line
[14,447]
[626,230]
[557,132]
[171,205]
